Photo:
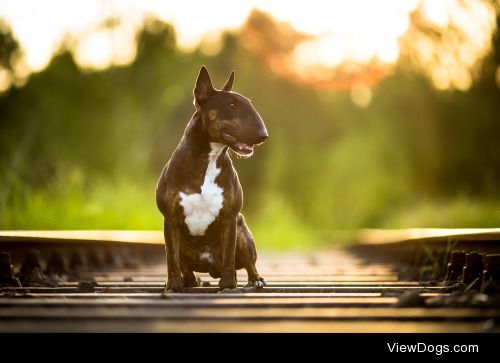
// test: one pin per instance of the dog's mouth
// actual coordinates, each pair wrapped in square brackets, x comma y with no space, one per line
[238,147]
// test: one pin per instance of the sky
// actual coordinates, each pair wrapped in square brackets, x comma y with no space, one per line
[42,28]
[354,30]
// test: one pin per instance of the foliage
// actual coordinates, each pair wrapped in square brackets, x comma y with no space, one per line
[82,149]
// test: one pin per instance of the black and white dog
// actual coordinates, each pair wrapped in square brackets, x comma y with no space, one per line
[199,193]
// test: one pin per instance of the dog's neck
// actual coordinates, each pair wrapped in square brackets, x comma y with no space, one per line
[196,136]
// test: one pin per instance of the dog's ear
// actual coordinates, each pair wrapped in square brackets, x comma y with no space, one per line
[203,88]
[229,83]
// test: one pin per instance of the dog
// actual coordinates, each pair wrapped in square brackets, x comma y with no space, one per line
[199,193]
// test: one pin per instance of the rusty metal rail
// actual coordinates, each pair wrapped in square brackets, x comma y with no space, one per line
[114,281]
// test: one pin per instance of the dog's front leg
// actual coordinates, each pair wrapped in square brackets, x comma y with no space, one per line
[172,244]
[228,276]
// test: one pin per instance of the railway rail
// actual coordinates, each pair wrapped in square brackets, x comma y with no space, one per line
[389,281]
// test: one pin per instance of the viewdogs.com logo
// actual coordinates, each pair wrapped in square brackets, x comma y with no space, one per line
[437,349]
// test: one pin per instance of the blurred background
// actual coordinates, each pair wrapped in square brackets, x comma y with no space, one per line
[380,113]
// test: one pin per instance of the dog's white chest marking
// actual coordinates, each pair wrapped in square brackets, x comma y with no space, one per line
[201,209]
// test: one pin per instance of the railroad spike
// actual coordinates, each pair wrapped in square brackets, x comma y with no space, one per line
[31,273]
[7,278]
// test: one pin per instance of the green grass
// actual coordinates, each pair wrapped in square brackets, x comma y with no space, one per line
[276,226]
[80,203]
[131,205]
[96,205]
[459,212]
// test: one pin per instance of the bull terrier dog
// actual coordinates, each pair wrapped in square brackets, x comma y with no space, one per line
[200,195]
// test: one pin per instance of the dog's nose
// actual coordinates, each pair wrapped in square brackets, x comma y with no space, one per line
[263,137]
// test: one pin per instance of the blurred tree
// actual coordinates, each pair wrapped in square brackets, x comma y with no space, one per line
[9,47]
[328,163]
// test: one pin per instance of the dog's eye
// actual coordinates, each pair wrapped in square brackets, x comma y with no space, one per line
[232,105]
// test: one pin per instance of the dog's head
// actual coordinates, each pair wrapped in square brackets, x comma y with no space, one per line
[228,117]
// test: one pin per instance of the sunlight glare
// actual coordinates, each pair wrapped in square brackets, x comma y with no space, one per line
[459,38]
[437,11]
[355,31]
[40,27]
[5,80]
[336,33]
[95,50]
[361,95]
[193,19]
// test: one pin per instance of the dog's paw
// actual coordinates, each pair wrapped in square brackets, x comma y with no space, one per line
[256,284]
[227,282]
[259,284]
[173,286]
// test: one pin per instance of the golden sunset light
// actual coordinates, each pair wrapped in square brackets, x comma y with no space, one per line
[102,33]
[252,166]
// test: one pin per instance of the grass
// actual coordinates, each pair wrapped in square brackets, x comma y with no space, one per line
[438,261]
[103,204]
[99,204]
[80,203]
[276,226]
[459,212]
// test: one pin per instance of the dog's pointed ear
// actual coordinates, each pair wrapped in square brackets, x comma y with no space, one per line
[229,83]
[203,88]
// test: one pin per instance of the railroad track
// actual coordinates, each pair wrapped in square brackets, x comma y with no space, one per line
[114,282]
